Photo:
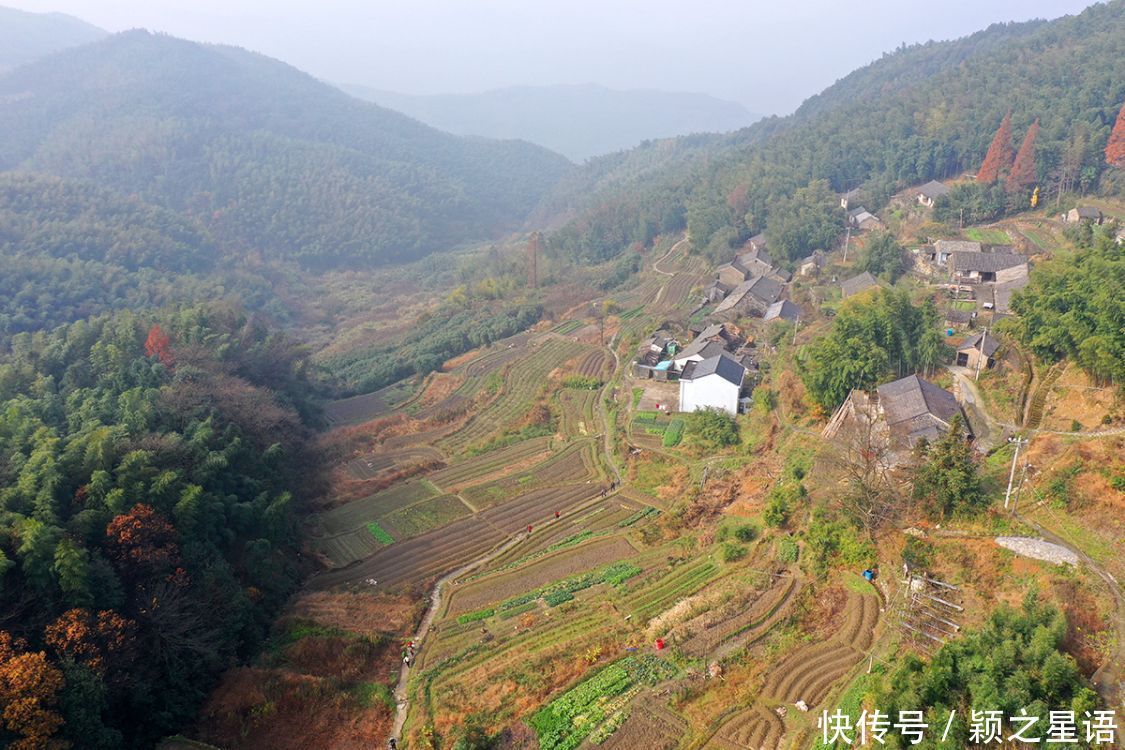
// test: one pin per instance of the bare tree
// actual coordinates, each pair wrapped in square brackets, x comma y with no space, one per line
[861,451]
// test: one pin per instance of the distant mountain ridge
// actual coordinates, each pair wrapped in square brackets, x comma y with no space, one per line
[28,36]
[268,158]
[927,111]
[578,121]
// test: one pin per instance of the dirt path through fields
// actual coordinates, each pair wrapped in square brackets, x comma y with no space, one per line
[402,702]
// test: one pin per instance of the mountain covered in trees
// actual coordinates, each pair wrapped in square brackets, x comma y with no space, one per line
[28,36]
[924,112]
[264,158]
[148,469]
[578,121]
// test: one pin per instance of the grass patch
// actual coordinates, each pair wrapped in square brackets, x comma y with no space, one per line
[638,394]
[368,694]
[988,236]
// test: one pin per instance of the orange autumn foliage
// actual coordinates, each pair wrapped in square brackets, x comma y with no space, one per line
[999,156]
[97,641]
[1023,169]
[1115,148]
[159,345]
[143,537]
[29,687]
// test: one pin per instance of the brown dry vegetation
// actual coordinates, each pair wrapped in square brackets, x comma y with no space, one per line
[1075,398]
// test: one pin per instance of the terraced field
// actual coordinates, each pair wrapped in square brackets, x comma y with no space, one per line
[424,516]
[476,469]
[442,550]
[679,289]
[577,411]
[594,364]
[359,512]
[744,628]
[359,409]
[650,726]
[670,586]
[575,463]
[523,382]
[553,567]
[807,673]
[367,467]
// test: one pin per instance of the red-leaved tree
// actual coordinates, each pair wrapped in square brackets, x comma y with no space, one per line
[159,345]
[143,538]
[1022,176]
[999,156]
[1115,149]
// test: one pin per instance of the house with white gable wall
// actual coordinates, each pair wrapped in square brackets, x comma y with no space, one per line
[712,383]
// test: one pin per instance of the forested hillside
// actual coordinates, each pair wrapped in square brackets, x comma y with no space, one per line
[265,157]
[924,112]
[28,36]
[148,465]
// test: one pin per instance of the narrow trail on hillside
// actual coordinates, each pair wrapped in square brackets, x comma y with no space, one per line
[666,256]
[402,701]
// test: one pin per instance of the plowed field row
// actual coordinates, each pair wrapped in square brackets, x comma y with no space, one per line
[523,381]
[572,464]
[355,514]
[463,473]
[553,567]
[757,728]
[759,616]
[676,584]
[649,726]
[366,467]
[444,549]
[577,412]
[594,364]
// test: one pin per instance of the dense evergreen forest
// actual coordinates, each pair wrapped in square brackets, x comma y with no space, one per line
[147,529]
[923,112]
[265,157]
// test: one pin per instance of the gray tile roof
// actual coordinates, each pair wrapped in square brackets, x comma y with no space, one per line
[956,246]
[723,365]
[763,288]
[909,402]
[984,262]
[701,347]
[991,344]
[933,189]
[857,284]
[783,309]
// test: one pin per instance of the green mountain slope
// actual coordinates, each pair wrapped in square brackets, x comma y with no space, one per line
[28,36]
[920,113]
[579,121]
[268,158]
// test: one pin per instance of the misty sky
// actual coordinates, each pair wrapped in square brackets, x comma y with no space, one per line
[767,54]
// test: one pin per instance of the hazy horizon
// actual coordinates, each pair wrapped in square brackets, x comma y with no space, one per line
[729,51]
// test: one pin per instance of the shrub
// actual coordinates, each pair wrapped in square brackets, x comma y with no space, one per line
[584,382]
[732,552]
[745,533]
[787,550]
[712,428]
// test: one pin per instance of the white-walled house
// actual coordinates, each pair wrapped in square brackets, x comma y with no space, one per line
[714,383]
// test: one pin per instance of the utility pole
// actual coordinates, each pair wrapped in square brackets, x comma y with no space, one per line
[796,323]
[1018,441]
[1019,487]
[983,339]
[847,240]
[961,222]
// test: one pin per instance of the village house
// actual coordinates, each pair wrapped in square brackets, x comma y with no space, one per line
[651,360]
[930,192]
[757,242]
[976,352]
[1083,213]
[712,383]
[811,265]
[751,297]
[783,309]
[851,196]
[901,413]
[861,218]
[858,284]
[975,267]
[732,274]
[944,248]
[715,291]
